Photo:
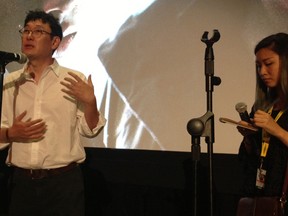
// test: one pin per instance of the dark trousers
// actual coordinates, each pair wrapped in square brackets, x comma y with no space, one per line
[60,195]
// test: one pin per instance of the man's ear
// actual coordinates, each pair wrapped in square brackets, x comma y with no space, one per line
[55,42]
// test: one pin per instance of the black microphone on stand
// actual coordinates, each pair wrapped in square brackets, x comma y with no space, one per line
[241,108]
[6,57]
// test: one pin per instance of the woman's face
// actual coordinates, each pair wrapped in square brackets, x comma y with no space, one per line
[268,67]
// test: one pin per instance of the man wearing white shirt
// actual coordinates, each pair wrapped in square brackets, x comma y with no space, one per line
[46,109]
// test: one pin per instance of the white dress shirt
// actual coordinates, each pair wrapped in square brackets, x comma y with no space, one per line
[62,114]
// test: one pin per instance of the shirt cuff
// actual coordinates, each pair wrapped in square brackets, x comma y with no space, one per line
[87,131]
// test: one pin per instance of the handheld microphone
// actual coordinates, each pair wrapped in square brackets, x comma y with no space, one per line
[6,57]
[241,108]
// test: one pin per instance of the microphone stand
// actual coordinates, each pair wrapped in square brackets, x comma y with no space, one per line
[204,126]
[2,72]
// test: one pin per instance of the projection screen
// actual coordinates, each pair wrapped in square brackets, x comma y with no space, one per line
[146,59]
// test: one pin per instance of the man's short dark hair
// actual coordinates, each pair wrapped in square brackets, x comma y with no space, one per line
[53,22]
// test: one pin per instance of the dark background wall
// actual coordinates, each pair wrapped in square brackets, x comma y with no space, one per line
[148,183]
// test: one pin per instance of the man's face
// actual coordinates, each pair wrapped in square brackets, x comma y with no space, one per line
[40,46]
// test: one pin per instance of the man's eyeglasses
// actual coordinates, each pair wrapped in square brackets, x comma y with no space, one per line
[36,33]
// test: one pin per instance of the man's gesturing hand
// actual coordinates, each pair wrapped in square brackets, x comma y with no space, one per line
[24,131]
[79,89]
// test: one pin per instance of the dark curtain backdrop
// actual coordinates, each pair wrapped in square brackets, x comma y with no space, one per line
[150,183]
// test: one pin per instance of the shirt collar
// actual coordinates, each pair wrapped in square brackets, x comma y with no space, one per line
[53,67]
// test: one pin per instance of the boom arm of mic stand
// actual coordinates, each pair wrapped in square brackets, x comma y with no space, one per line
[195,127]
[198,127]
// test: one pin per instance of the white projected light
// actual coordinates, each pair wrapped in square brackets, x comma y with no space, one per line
[146,59]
